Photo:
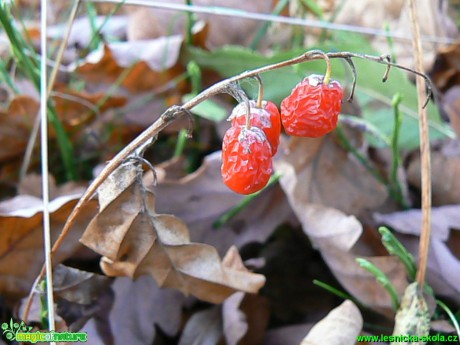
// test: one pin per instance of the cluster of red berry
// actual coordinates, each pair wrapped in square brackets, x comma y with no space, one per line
[311,110]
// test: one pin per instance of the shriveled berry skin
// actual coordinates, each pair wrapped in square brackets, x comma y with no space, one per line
[246,159]
[312,108]
[266,118]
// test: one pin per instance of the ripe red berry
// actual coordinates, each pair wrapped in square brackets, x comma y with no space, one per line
[246,159]
[266,118]
[312,108]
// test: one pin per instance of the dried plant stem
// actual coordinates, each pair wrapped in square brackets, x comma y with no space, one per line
[174,112]
[45,176]
[425,235]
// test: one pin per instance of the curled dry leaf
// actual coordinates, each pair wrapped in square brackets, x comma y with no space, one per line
[341,326]
[413,316]
[135,240]
[318,171]
[80,296]
[21,242]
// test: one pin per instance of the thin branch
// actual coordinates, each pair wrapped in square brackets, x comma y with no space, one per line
[144,140]
[424,245]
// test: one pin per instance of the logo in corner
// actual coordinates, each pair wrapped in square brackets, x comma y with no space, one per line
[11,330]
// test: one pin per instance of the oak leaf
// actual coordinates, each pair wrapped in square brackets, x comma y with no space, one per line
[135,240]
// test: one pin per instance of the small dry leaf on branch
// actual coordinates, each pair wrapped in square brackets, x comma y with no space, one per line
[341,326]
[135,240]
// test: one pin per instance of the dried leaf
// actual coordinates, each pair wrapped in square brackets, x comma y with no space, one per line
[21,238]
[76,109]
[152,23]
[234,320]
[319,171]
[15,126]
[135,240]
[139,307]
[81,32]
[151,63]
[451,105]
[443,259]
[366,13]
[203,328]
[443,219]
[201,198]
[413,316]
[77,286]
[80,296]
[445,181]
[341,326]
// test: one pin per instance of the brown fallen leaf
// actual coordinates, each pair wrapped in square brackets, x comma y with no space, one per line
[21,238]
[148,64]
[135,240]
[16,123]
[341,326]
[323,184]
[445,182]
[320,171]
[139,308]
[73,108]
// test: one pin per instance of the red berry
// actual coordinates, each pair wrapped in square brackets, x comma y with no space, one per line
[312,108]
[266,118]
[246,159]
